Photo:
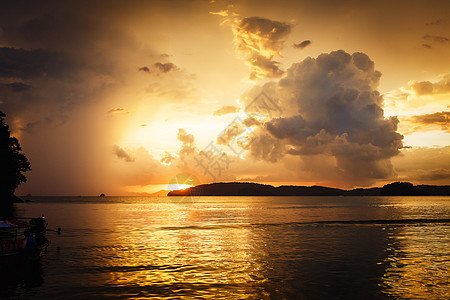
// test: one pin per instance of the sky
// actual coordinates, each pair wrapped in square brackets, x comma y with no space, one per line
[131,97]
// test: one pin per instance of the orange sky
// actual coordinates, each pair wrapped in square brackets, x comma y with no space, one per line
[120,97]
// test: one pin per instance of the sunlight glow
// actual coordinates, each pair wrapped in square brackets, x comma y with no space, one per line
[427,139]
[181,186]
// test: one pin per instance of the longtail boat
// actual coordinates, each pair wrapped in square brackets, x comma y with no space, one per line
[22,241]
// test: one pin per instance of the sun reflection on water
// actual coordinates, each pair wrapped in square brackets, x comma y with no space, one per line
[419,262]
[246,248]
[184,252]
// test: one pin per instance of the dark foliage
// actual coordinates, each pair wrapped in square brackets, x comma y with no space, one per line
[401,189]
[12,162]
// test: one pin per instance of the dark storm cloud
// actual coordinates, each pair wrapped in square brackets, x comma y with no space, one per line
[302,45]
[265,146]
[25,64]
[261,39]
[122,154]
[336,112]
[68,27]
[15,87]
[51,121]
[59,50]
[31,126]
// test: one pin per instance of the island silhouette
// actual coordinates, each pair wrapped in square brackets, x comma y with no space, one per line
[256,189]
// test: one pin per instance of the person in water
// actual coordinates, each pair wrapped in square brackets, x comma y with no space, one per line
[31,247]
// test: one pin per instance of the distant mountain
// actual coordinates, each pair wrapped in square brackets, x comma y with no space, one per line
[256,189]
[227,189]
[292,190]
[364,192]
[160,193]
[435,190]
[401,189]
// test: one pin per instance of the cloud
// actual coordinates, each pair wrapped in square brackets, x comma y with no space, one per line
[222,13]
[261,39]
[167,158]
[431,165]
[436,22]
[165,67]
[145,170]
[437,39]
[264,146]
[30,127]
[441,119]
[169,83]
[26,64]
[231,132]
[63,64]
[429,88]
[433,174]
[160,67]
[51,121]
[179,89]
[302,45]
[426,46]
[14,87]
[188,143]
[227,109]
[122,154]
[334,110]
[117,111]
[58,60]
[250,122]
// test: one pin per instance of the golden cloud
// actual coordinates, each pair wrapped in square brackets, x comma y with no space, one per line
[261,39]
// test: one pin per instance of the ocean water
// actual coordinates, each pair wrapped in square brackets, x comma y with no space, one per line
[239,248]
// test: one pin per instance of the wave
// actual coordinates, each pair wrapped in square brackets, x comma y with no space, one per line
[314,223]
[382,222]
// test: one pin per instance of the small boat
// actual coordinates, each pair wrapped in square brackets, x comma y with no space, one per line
[22,241]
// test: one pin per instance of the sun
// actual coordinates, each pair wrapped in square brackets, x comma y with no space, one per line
[182,181]
[173,187]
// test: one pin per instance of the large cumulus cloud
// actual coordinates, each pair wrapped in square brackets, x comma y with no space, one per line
[332,109]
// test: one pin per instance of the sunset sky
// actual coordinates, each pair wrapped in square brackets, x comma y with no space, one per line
[120,97]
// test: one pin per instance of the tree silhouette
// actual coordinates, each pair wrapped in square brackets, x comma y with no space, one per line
[12,163]
[401,189]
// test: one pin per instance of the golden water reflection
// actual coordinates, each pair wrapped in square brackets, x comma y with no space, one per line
[186,252]
[419,262]
[255,248]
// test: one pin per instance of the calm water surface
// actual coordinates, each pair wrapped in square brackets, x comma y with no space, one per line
[240,248]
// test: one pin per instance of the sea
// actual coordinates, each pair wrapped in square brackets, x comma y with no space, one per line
[238,248]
